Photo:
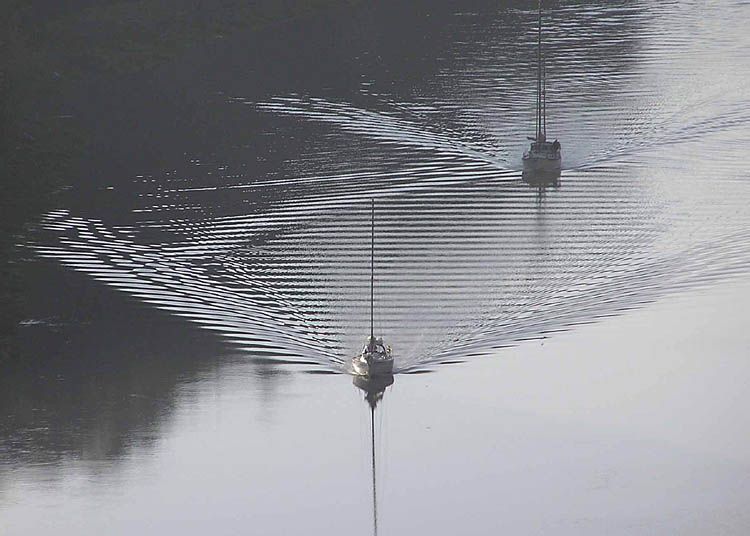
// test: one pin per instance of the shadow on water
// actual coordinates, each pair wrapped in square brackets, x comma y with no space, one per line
[108,379]
[95,396]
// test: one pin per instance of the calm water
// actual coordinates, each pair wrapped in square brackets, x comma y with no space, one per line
[194,313]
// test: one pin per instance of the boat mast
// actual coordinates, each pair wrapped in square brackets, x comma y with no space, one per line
[372,273]
[544,99]
[539,79]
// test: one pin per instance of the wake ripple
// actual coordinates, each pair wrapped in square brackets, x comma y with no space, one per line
[470,258]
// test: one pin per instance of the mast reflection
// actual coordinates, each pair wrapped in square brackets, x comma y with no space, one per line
[374,389]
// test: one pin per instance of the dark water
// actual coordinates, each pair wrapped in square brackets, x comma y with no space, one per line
[195,316]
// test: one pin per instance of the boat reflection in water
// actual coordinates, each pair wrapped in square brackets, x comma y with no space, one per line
[542,179]
[374,388]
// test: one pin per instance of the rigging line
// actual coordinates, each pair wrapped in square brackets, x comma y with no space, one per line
[539,78]
[544,99]
[372,272]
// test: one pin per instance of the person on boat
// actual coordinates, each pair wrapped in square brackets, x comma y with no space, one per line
[556,146]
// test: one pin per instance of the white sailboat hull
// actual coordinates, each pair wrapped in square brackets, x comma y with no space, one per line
[369,365]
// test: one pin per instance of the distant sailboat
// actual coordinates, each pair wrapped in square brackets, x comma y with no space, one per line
[543,157]
[375,359]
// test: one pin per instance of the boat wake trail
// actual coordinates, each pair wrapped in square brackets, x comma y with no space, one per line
[464,267]
[392,127]
[248,313]
[267,244]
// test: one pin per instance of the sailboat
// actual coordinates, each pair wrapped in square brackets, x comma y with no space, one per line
[375,359]
[543,157]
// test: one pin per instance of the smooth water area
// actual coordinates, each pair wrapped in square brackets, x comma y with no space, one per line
[570,356]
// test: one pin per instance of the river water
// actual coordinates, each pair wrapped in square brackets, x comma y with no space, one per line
[570,357]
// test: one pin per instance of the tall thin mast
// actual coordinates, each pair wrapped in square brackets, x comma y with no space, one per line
[539,79]
[544,99]
[372,274]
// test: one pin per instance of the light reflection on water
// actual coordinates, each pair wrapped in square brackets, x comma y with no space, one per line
[648,102]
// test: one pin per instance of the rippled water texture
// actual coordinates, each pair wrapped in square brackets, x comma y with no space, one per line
[652,110]
[261,237]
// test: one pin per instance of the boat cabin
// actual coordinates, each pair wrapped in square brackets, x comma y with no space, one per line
[374,346]
[544,149]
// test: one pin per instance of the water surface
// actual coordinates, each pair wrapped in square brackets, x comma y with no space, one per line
[193,319]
